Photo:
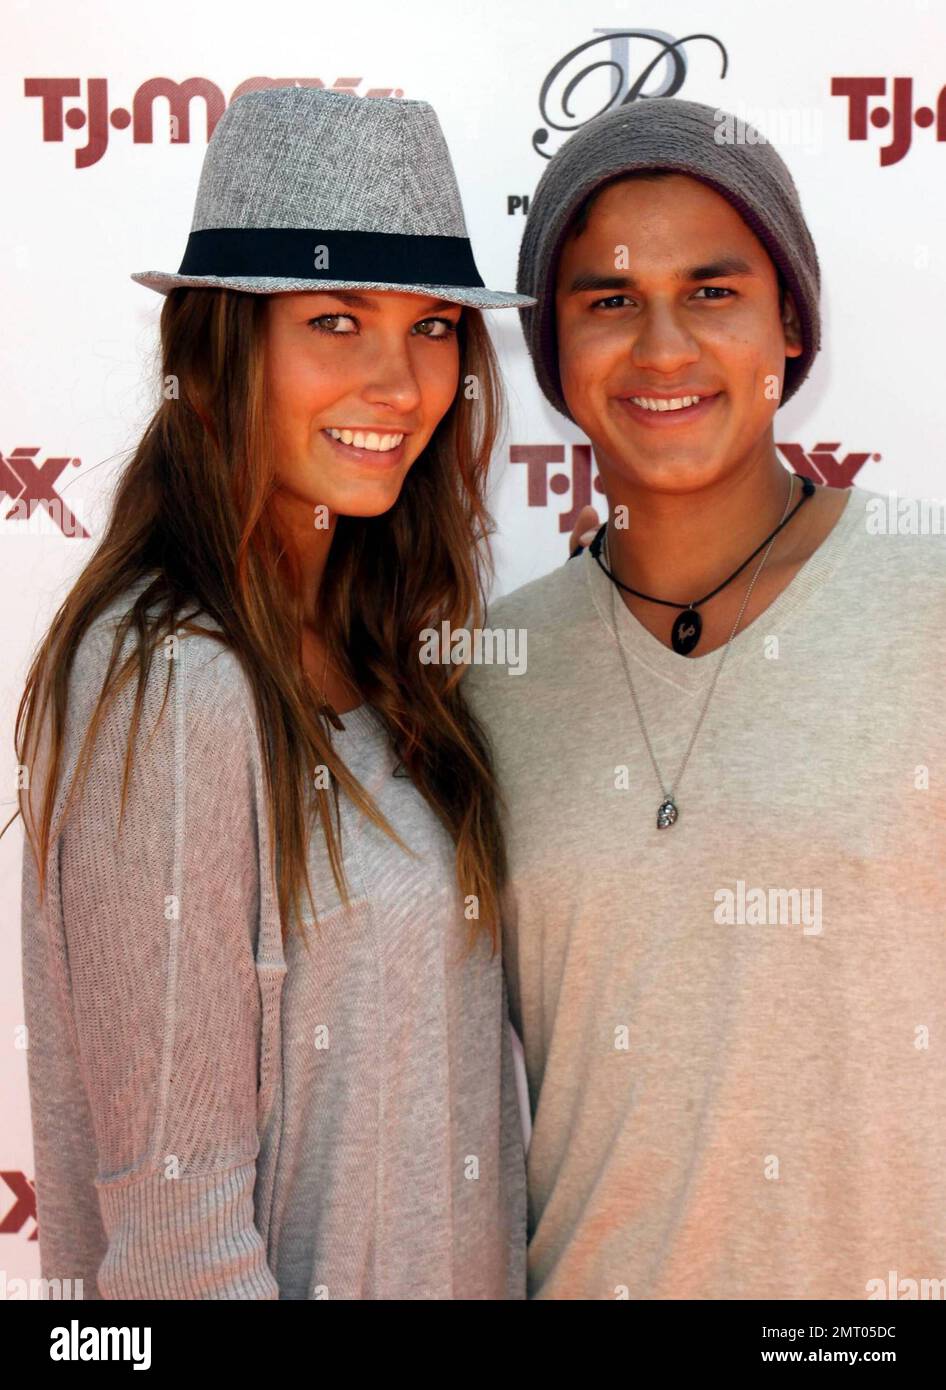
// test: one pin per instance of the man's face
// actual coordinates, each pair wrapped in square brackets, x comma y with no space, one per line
[648,321]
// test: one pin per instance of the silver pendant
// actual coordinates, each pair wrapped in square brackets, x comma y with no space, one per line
[666,813]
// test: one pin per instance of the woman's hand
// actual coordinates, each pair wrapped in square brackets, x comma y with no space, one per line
[585,528]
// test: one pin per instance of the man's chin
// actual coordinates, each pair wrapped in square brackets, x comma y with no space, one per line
[674,473]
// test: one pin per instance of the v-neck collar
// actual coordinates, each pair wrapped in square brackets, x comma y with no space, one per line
[692,673]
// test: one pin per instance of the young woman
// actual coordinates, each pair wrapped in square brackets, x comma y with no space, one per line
[269,1054]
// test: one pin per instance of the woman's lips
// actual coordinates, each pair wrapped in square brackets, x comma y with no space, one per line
[386,458]
[669,419]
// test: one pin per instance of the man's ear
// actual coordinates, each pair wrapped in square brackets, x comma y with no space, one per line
[791,326]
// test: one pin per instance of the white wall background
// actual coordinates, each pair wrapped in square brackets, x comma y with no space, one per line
[79,336]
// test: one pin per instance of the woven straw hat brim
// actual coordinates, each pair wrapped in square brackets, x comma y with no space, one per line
[476,298]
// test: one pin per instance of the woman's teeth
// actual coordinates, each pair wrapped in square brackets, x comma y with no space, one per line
[380,443]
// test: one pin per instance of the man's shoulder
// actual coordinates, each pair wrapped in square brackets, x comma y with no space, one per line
[548,618]
[551,598]
[907,532]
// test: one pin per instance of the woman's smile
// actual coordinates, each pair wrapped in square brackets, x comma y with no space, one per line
[377,448]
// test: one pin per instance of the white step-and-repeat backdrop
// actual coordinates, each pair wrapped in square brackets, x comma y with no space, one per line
[106,109]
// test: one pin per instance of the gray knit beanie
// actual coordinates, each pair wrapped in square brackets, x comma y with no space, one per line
[667,133]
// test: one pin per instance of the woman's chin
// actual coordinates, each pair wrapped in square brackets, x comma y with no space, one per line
[366,499]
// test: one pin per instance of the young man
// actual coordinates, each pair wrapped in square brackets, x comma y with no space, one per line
[725,945]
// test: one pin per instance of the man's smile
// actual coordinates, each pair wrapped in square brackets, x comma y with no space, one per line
[662,412]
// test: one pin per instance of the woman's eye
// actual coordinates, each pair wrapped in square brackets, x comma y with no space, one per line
[611,300]
[715,289]
[327,323]
[332,323]
[448,326]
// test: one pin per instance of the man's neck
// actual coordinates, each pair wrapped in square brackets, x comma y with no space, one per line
[680,546]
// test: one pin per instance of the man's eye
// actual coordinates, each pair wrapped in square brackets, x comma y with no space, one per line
[617,301]
[326,323]
[448,326]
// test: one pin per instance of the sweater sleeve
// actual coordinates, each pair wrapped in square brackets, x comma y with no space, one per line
[141,985]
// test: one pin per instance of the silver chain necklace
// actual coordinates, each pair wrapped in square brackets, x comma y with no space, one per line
[667,811]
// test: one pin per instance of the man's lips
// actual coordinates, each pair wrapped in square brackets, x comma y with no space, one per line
[669,419]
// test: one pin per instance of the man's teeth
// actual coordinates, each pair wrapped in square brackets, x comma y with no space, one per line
[380,443]
[677,403]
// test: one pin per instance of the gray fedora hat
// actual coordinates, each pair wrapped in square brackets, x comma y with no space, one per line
[307,189]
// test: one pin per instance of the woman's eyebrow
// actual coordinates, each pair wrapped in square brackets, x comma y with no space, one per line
[363,301]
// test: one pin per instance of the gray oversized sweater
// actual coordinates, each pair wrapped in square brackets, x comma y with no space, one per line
[217,1115]
[734,1028]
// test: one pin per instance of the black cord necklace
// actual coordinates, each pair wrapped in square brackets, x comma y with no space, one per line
[689,625]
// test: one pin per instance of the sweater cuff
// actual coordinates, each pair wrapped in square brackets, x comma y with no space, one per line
[184,1238]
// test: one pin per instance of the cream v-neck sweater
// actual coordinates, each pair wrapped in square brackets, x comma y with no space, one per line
[217,1115]
[734,1028]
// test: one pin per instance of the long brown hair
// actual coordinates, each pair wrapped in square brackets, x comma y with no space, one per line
[192,517]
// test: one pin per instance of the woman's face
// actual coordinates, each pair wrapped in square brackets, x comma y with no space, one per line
[357,384]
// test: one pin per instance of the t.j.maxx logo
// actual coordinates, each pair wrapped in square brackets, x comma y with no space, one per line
[901,119]
[32,487]
[96,116]
[823,463]
[21,1211]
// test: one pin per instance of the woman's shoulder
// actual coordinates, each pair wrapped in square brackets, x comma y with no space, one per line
[209,683]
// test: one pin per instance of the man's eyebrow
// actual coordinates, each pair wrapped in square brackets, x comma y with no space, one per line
[720,269]
[363,301]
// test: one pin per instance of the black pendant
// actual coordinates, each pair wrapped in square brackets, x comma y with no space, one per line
[666,813]
[686,631]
